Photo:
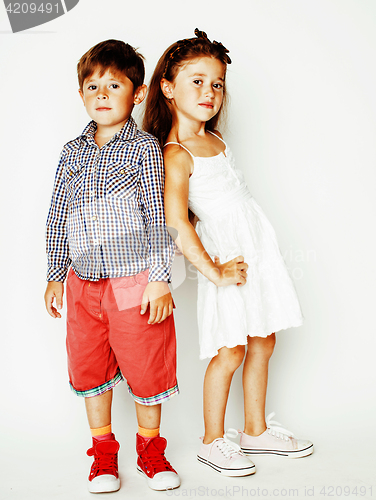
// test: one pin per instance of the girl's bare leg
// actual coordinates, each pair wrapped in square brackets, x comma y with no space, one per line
[216,389]
[255,381]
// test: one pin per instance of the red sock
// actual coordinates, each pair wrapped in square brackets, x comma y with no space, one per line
[103,437]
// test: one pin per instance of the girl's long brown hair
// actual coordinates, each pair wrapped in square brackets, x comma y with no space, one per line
[158,117]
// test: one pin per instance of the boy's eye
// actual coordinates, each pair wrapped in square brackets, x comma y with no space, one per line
[114,85]
[92,87]
[197,82]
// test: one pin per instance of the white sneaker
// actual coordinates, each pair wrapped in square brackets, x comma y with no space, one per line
[225,457]
[275,441]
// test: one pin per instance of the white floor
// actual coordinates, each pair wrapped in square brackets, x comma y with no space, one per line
[341,466]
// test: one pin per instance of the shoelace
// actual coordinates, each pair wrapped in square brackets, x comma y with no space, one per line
[105,463]
[158,463]
[276,429]
[227,447]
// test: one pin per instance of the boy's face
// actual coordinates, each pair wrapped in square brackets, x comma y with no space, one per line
[109,100]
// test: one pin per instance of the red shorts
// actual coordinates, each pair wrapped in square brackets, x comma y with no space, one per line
[108,339]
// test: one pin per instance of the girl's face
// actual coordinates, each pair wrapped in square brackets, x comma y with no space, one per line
[197,90]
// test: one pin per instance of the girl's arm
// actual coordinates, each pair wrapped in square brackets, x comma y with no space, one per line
[178,165]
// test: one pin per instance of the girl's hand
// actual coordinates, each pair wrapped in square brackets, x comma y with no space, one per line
[233,272]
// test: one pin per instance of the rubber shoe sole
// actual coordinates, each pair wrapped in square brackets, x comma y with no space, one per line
[105,483]
[244,471]
[162,480]
[281,453]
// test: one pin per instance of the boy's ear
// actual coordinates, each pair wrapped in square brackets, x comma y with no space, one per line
[140,94]
[82,95]
[166,88]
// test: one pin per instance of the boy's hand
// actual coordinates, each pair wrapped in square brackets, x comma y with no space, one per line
[158,295]
[54,290]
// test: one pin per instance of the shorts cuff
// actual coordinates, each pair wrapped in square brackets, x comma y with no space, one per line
[97,391]
[155,400]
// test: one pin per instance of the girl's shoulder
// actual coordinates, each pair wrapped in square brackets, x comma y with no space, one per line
[177,158]
[216,136]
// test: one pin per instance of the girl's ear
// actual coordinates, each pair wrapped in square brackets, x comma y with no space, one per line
[166,88]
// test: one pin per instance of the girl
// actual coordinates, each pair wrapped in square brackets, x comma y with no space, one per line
[185,100]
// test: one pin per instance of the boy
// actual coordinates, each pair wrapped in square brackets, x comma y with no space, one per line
[106,221]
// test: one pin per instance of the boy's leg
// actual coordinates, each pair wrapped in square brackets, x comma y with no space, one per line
[98,410]
[150,446]
[104,471]
[146,355]
[93,371]
[148,417]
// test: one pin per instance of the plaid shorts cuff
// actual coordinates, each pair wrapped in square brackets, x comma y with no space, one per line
[97,391]
[155,400]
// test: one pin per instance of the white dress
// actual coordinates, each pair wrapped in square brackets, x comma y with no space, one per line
[230,224]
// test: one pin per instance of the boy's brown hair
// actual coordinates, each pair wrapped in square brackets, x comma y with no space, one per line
[116,56]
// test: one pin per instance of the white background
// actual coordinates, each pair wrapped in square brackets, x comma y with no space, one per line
[302,123]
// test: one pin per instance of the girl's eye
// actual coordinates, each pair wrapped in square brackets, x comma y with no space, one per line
[218,86]
[197,82]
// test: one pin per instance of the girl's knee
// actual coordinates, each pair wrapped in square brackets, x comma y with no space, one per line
[262,347]
[231,358]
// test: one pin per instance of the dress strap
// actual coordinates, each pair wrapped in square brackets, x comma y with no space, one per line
[217,136]
[181,145]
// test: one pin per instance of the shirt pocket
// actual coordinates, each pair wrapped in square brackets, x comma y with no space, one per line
[74,180]
[122,180]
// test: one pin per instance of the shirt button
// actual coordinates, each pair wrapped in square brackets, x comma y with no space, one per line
[94,218]
[122,171]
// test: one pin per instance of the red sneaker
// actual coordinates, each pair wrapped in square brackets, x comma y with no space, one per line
[152,463]
[104,475]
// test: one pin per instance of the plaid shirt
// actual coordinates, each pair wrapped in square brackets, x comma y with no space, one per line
[106,217]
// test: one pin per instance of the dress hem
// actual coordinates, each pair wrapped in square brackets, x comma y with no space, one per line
[245,342]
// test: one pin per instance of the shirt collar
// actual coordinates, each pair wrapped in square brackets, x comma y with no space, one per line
[126,133]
